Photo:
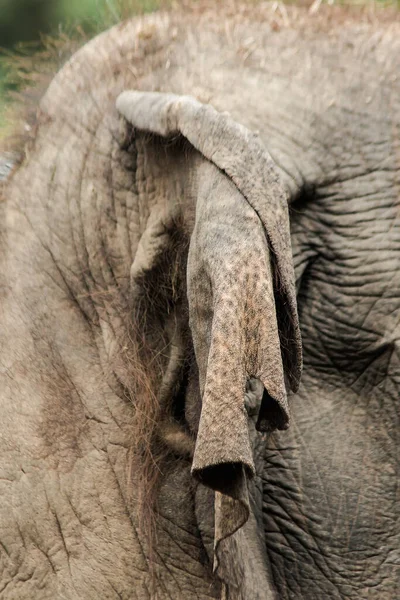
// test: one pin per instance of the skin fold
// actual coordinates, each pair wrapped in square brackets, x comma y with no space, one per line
[145,281]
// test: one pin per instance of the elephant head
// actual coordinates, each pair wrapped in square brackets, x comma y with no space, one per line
[149,333]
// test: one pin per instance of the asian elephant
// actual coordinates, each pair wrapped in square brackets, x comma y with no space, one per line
[201,185]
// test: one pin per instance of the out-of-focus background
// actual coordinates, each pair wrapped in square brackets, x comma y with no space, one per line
[26,26]
[25,20]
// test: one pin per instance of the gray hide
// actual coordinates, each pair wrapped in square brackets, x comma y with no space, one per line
[149,337]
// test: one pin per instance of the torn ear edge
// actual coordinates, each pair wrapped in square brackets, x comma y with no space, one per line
[242,156]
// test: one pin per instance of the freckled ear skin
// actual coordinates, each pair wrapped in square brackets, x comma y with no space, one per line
[239,271]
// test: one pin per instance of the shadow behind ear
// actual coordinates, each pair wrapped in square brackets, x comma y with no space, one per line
[159,300]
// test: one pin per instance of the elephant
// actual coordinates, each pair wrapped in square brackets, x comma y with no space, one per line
[200,186]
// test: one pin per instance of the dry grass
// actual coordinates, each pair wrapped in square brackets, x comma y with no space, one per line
[28,69]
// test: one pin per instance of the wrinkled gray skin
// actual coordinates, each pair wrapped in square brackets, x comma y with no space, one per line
[84,220]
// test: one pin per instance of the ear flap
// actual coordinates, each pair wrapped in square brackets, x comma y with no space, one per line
[239,272]
[242,156]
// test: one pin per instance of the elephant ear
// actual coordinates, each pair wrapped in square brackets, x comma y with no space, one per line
[242,303]
[240,154]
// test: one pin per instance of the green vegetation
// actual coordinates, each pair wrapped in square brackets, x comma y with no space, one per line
[36,27]
[95,15]
[26,20]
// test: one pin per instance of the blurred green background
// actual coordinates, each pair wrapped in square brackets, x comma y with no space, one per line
[24,25]
[25,20]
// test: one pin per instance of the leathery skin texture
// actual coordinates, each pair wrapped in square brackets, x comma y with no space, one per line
[116,301]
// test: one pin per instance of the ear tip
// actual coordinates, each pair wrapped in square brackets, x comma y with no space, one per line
[294,374]
[294,381]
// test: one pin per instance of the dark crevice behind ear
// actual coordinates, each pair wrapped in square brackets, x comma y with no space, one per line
[159,308]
